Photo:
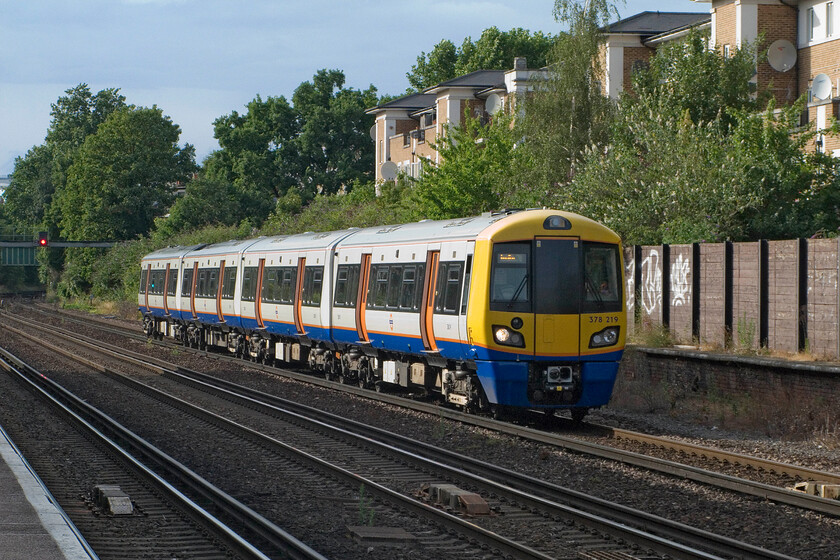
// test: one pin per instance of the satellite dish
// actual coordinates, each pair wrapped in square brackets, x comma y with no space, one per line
[493,104]
[821,87]
[782,55]
[388,171]
[373,133]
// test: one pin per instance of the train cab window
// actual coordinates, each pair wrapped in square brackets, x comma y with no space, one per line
[172,288]
[229,283]
[143,274]
[394,287]
[602,278]
[448,292]
[347,285]
[186,283]
[313,280]
[557,277]
[509,278]
[249,283]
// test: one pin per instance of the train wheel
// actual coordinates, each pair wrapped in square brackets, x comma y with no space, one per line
[364,375]
[329,366]
[578,414]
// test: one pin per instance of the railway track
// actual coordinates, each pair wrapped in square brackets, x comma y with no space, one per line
[532,506]
[720,458]
[161,520]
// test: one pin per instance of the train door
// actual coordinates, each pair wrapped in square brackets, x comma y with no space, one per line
[146,288]
[427,329]
[298,302]
[258,294]
[219,288]
[361,298]
[556,299]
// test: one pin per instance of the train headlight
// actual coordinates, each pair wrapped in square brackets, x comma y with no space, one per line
[605,337]
[507,337]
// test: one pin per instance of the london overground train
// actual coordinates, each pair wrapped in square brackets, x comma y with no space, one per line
[504,311]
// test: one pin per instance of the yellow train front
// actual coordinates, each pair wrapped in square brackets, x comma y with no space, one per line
[546,327]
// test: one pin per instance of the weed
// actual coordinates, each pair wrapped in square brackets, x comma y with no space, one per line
[746,334]
[366,511]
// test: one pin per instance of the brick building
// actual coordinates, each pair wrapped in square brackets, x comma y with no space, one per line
[406,128]
[803,51]
[801,37]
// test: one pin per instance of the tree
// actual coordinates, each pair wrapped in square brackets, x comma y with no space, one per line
[473,158]
[42,172]
[123,176]
[319,143]
[206,202]
[334,142]
[494,50]
[568,112]
[258,155]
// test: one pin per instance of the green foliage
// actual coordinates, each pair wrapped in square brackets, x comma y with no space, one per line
[123,176]
[494,50]
[565,114]
[206,202]
[281,151]
[473,158]
[689,161]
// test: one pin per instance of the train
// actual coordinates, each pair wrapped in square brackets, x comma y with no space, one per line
[501,312]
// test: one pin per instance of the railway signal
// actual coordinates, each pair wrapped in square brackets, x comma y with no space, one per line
[43,239]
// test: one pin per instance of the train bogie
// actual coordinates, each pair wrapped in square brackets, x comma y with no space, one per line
[522,310]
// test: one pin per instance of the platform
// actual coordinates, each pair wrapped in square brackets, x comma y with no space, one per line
[32,525]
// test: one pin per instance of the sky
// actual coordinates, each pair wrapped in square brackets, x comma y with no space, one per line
[200,59]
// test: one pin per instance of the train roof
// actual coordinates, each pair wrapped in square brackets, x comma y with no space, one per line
[484,226]
[301,241]
[224,248]
[176,252]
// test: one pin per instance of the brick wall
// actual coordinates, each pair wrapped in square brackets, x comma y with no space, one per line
[632,55]
[712,294]
[681,281]
[725,32]
[777,22]
[746,305]
[762,379]
[783,295]
[823,297]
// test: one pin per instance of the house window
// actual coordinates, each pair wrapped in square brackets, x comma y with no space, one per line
[812,23]
[726,51]
[829,19]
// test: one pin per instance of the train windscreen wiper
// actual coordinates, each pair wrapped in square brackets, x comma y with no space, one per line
[518,291]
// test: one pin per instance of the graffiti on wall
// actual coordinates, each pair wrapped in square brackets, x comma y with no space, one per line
[680,285]
[651,282]
[629,268]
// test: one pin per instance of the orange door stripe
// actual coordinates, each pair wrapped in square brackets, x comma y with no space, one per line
[361,298]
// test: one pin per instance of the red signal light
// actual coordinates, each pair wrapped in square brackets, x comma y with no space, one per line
[43,241]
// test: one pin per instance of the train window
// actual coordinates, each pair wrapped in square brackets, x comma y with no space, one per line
[269,286]
[186,283]
[229,283]
[143,274]
[409,286]
[394,286]
[347,285]
[378,290]
[249,283]
[601,278]
[213,283]
[287,285]
[418,292]
[509,282]
[172,288]
[467,275]
[341,286]
[448,288]
[557,276]
[201,284]
[156,282]
[313,279]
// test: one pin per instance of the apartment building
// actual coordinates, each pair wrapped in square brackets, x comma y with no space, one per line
[407,128]
[801,38]
[803,42]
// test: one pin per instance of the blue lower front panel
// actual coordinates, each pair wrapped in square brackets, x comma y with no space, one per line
[506,383]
